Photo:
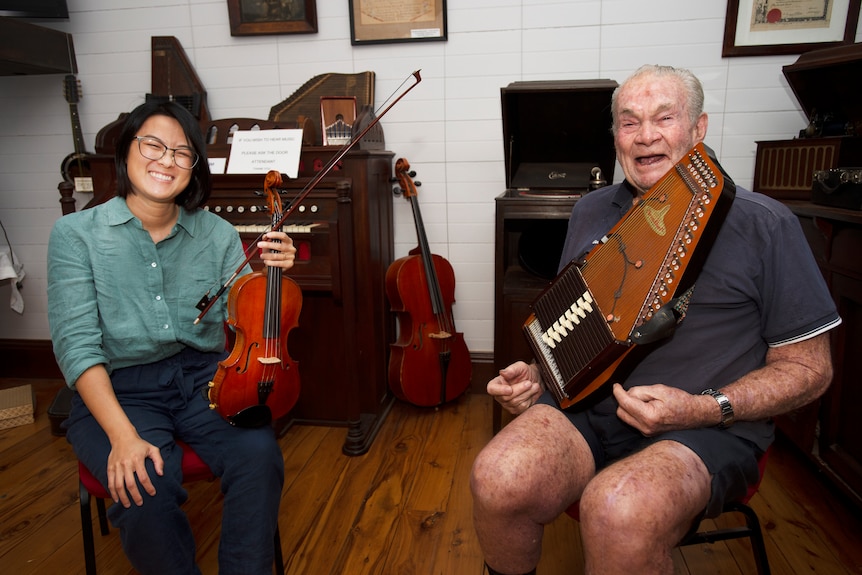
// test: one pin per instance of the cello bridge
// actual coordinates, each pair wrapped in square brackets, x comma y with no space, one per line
[440,335]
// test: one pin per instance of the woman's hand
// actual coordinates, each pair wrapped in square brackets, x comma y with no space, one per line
[125,463]
[277,249]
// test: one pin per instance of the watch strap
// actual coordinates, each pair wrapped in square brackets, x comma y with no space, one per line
[724,404]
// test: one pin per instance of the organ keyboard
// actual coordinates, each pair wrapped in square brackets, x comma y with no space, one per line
[293,229]
[237,199]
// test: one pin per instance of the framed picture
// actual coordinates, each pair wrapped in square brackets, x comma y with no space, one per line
[256,17]
[387,21]
[769,27]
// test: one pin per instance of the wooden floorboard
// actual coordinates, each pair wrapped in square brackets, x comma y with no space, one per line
[402,508]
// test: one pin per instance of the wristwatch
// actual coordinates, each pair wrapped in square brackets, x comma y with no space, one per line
[724,404]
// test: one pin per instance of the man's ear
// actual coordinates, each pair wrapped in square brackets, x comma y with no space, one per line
[700,127]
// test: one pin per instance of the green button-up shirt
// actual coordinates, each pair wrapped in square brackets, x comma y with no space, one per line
[116,298]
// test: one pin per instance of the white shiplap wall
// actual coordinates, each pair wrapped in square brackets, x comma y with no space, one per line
[449,127]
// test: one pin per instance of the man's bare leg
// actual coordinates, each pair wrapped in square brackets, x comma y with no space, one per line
[523,479]
[637,510]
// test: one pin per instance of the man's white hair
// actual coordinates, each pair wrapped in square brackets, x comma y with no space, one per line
[690,83]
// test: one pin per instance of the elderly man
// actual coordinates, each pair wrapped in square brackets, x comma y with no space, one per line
[682,433]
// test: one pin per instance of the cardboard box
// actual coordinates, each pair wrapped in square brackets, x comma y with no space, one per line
[16,406]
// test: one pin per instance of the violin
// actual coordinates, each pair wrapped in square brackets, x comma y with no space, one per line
[259,382]
[429,364]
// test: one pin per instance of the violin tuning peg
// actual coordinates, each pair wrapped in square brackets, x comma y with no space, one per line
[417,183]
[397,190]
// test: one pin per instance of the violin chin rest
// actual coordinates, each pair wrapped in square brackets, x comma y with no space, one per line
[254,416]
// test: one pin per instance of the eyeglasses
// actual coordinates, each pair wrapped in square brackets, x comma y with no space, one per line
[154,149]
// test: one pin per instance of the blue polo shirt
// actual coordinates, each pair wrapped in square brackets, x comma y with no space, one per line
[760,287]
[116,298]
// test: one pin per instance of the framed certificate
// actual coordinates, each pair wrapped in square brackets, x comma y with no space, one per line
[769,27]
[384,21]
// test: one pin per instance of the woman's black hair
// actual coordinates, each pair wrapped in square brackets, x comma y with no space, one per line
[200,186]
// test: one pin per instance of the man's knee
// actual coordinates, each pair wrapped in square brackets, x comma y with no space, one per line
[639,497]
[497,480]
[610,505]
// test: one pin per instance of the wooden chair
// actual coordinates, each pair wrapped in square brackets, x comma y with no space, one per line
[751,529]
[194,469]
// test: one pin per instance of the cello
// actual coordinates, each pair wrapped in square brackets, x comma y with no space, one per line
[259,382]
[429,363]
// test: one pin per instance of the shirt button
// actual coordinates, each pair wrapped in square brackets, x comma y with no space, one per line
[158,298]
[165,326]
[152,265]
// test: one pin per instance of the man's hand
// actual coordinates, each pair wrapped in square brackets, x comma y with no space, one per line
[516,388]
[654,409]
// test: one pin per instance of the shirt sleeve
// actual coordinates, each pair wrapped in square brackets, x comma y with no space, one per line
[800,305]
[72,304]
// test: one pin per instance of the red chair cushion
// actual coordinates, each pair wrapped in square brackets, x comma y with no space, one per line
[194,469]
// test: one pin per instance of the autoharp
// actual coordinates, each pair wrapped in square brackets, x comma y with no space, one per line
[633,287]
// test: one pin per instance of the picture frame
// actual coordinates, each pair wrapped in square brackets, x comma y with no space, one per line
[385,21]
[769,27]
[259,17]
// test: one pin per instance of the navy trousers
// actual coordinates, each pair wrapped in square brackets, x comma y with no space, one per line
[165,401]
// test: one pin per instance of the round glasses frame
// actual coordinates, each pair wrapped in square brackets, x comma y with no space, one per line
[154,149]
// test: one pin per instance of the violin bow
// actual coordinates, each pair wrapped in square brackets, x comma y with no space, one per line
[206,302]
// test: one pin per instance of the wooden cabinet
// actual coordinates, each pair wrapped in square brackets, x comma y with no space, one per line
[830,431]
[530,232]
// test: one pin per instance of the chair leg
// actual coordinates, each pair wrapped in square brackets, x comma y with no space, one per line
[103,515]
[279,558]
[755,535]
[87,531]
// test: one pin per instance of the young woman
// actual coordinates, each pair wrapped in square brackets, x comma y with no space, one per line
[123,281]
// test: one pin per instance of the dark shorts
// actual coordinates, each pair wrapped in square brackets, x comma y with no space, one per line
[731,460]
